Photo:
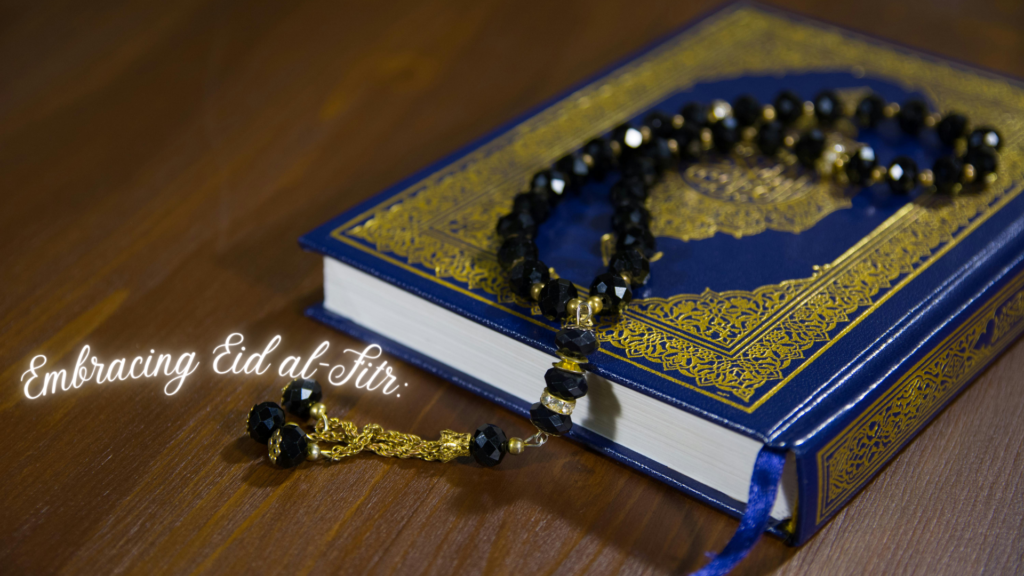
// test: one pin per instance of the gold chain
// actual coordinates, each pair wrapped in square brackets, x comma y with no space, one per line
[349,441]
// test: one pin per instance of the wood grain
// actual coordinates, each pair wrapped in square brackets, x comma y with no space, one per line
[158,162]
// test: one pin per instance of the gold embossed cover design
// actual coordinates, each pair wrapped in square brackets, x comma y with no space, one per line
[769,272]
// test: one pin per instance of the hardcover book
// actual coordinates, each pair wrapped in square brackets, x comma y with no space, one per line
[786,310]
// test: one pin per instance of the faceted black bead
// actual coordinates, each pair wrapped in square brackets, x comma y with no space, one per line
[629,138]
[576,342]
[628,191]
[870,111]
[902,175]
[614,292]
[911,116]
[983,158]
[263,420]
[948,171]
[809,147]
[515,248]
[488,445]
[985,136]
[551,184]
[747,110]
[858,169]
[628,215]
[688,140]
[634,263]
[769,137]
[602,156]
[565,384]
[536,204]
[291,447]
[554,298]
[518,223]
[659,151]
[525,273]
[573,166]
[300,395]
[638,238]
[694,114]
[725,134]
[951,127]
[827,107]
[788,107]
[660,124]
[642,167]
[549,421]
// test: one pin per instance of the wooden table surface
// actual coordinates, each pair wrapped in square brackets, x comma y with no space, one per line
[158,162]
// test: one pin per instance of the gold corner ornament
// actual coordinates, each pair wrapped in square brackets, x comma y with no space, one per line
[737,347]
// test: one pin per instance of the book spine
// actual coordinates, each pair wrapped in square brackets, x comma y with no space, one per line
[908,380]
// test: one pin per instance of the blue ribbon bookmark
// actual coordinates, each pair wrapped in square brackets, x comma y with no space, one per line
[764,483]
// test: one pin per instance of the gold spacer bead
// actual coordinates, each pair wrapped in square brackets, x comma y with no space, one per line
[705,137]
[573,305]
[588,160]
[316,411]
[808,108]
[292,424]
[627,277]
[789,141]
[768,112]
[932,119]
[645,131]
[926,177]
[616,149]
[596,304]
[535,290]
[569,365]
[515,446]
[748,134]
[312,451]
[678,121]
[891,109]
[877,173]
[969,173]
[673,146]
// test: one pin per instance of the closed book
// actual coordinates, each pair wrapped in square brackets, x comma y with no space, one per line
[786,309]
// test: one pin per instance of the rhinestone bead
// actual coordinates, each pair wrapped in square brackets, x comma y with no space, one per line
[263,420]
[694,114]
[827,107]
[788,107]
[602,156]
[911,116]
[725,134]
[552,184]
[861,163]
[630,214]
[747,110]
[488,445]
[902,175]
[554,298]
[614,292]
[660,124]
[525,273]
[535,204]
[633,263]
[948,171]
[984,137]
[810,146]
[549,421]
[688,140]
[565,384]
[300,395]
[556,404]
[769,138]
[638,238]
[870,111]
[628,192]
[951,127]
[518,223]
[287,446]
[515,248]
[573,166]
[983,158]
[642,167]
[576,342]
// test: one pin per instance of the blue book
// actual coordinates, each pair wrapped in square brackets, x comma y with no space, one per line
[785,310]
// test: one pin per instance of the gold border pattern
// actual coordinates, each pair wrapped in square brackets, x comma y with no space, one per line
[847,462]
[737,347]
